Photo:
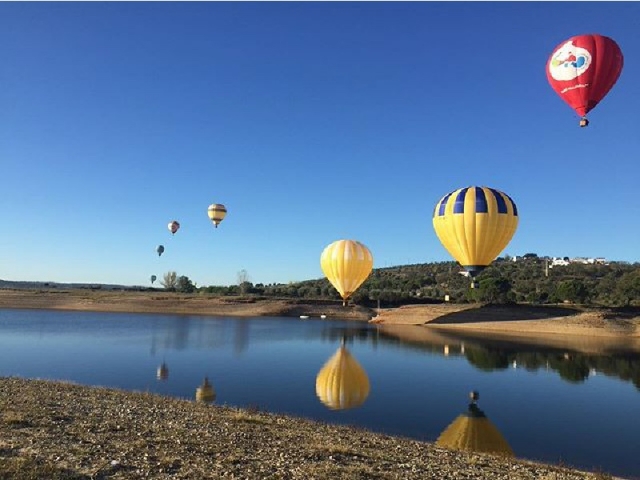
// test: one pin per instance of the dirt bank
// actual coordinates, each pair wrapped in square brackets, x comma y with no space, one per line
[176,303]
[517,319]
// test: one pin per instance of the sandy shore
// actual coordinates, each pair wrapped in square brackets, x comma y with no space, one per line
[597,331]
[176,303]
[57,430]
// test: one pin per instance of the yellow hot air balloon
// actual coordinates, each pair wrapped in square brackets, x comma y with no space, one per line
[472,431]
[346,264]
[342,383]
[475,224]
[216,213]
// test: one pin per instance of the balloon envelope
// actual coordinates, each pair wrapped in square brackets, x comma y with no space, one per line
[173,226]
[216,213]
[342,383]
[346,264]
[475,224]
[583,69]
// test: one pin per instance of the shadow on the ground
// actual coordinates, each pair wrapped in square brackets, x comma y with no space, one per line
[493,313]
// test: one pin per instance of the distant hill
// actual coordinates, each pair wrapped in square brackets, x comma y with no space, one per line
[530,279]
[27,285]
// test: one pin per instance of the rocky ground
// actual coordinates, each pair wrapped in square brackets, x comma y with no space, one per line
[56,430]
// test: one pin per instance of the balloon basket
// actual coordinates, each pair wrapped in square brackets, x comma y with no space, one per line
[584,122]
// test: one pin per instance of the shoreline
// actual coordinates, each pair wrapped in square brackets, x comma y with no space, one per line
[588,329]
[66,431]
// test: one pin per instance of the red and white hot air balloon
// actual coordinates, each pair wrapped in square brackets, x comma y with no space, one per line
[583,69]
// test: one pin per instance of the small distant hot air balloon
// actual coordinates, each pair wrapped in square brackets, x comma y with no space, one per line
[163,372]
[153,279]
[475,224]
[160,249]
[173,226]
[342,383]
[583,69]
[346,264]
[472,431]
[205,392]
[216,212]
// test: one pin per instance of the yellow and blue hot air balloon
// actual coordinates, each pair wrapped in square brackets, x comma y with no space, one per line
[475,224]
[346,264]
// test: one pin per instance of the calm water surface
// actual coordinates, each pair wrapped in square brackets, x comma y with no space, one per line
[550,405]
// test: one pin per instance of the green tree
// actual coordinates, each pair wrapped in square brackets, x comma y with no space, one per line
[629,286]
[572,290]
[494,290]
[184,285]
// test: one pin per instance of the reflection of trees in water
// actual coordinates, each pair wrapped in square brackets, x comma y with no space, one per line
[241,338]
[487,359]
[572,367]
[362,334]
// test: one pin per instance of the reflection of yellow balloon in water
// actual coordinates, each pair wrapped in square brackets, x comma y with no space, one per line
[205,392]
[346,264]
[342,383]
[163,372]
[475,224]
[472,431]
[216,212]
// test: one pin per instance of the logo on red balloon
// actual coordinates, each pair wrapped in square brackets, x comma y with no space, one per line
[569,62]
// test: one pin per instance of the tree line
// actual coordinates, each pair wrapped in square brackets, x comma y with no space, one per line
[528,280]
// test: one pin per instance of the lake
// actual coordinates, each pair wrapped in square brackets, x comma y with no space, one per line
[551,405]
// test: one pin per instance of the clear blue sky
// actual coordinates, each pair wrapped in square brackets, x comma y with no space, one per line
[311,122]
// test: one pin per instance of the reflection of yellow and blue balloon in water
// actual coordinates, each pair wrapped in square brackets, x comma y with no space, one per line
[342,383]
[346,264]
[475,224]
[474,432]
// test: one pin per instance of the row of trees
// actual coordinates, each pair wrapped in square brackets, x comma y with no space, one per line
[527,280]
